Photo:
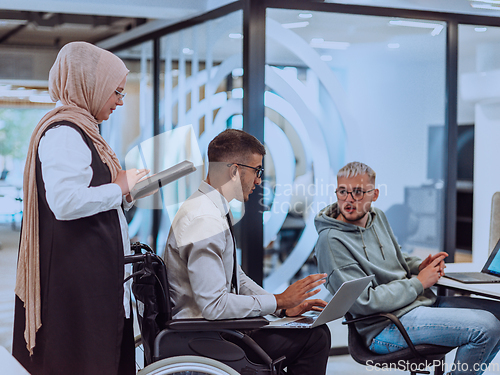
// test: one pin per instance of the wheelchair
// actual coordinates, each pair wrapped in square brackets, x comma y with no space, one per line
[189,346]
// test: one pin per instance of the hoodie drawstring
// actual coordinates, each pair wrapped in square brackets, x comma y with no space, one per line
[364,245]
[363,240]
[380,243]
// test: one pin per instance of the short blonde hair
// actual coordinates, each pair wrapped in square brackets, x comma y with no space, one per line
[356,168]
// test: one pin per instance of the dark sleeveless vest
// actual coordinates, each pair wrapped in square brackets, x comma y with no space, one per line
[81,277]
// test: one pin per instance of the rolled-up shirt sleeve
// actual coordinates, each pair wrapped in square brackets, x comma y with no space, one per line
[67,173]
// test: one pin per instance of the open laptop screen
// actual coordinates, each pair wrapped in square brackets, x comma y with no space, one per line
[492,266]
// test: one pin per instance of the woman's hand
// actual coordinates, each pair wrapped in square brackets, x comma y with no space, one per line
[126,180]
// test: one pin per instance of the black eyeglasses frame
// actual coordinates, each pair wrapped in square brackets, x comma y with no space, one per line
[352,195]
[258,170]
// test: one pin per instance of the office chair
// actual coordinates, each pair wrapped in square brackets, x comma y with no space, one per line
[415,358]
[179,345]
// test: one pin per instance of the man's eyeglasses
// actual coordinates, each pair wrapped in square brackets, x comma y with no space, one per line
[356,194]
[121,95]
[258,170]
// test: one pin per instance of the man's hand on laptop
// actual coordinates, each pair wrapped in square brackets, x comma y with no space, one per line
[293,299]
[307,305]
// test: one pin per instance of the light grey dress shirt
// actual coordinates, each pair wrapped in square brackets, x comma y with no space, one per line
[199,258]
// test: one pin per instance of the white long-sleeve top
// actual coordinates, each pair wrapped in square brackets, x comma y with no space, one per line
[66,173]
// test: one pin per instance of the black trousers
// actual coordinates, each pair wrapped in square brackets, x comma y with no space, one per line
[306,350]
[127,350]
[36,364]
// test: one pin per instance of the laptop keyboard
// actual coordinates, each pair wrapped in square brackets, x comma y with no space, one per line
[302,322]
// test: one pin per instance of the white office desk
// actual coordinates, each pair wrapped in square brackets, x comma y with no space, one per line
[491,290]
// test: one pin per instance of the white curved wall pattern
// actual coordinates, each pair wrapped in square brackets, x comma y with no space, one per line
[312,129]
[192,51]
[326,76]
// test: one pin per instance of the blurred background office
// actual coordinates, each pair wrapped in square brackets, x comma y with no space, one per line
[411,88]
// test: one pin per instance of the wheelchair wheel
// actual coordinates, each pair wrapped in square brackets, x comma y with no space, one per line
[188,365]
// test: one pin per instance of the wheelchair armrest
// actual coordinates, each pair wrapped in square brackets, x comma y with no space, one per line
[200,324]
[394,319]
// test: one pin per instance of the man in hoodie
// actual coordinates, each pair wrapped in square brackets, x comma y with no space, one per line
[356,240]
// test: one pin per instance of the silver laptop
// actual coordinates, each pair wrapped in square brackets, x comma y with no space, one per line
[489,274]
[340,303]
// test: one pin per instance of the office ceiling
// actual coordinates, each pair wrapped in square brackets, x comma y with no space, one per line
[32,31]
[53,23]
[50,24]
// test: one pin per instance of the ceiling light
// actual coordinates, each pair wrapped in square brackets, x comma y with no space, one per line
[436,27]
[12,22]
[236,36]
[484,4]
[326,58]
[187,51]
[305,15]
[480,29]
[295,25]
[321,43]
[393,45]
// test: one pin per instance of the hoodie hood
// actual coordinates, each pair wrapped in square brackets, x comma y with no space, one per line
[327,219]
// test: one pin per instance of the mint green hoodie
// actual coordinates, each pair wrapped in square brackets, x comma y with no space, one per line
[346,251]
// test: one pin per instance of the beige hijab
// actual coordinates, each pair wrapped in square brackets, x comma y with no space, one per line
[82,78]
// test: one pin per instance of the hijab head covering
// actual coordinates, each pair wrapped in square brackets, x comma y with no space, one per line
[83,78]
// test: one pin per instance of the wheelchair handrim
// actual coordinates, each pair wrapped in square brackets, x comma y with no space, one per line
[183,364]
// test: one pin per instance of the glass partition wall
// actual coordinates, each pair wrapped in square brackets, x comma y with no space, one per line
[132,124]
[342,83]
[201,93]
[344,88]
[477,138]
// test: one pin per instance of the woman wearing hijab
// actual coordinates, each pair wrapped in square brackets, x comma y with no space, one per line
[72,312]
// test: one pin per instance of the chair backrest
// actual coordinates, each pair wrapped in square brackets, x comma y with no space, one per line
[151,291]
[357,347]
[495,221]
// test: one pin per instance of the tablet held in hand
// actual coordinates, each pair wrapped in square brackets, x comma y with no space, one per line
[160,179]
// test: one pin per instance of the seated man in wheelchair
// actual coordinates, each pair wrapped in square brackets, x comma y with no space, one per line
[205,279]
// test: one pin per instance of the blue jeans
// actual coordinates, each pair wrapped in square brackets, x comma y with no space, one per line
[471,324]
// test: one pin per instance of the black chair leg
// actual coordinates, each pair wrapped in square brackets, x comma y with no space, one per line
[439,370]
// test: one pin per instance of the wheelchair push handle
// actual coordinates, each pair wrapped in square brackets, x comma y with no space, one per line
[138,257]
